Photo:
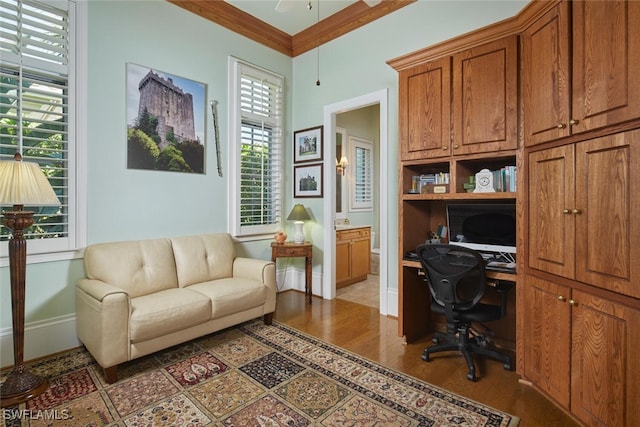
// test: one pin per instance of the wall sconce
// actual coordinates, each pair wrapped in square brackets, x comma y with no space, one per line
[341,167]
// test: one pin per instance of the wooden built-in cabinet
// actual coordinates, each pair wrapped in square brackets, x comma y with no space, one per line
[581,337]
[461,104]
[580,69]
[353,255]
[582,350]
[583,212]
[577,154]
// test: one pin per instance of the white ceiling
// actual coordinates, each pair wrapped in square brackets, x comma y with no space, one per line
[295,17]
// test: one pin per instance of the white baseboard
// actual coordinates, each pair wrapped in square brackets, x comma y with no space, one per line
[41,339]
[392,303]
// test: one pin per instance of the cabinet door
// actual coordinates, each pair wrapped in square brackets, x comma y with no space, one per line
[343,261]
[551,232]
[607,201]
[360,258]
[547,320]
[606,50]
[605,367]
[545,77]
[425,110]
[485,98]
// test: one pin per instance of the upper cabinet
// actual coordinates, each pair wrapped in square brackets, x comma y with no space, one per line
[579,69]
[425,119]
[485,98]
[461,104]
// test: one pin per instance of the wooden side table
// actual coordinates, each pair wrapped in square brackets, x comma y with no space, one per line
[295,250]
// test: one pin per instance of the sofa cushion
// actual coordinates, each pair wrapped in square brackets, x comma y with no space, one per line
[167,311]
[137,267]
[204,257]
[230,296]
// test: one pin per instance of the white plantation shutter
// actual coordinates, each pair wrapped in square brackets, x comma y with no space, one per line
[362,174]
[258,148]
[35,119]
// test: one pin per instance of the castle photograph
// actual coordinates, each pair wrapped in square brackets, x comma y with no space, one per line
[166,118]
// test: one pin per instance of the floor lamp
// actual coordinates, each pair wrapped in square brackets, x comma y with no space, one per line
[21,183]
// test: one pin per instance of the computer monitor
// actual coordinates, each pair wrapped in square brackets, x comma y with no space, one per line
[485,227]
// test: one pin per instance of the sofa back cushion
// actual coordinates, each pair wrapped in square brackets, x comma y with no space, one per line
[139,267]
[204,257]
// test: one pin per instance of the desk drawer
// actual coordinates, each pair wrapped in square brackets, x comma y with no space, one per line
[293,251]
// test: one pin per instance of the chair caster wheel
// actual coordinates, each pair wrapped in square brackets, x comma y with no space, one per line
[471,376]
[508,366]
[435,340]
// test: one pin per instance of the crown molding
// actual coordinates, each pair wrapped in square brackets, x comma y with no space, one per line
[336,25]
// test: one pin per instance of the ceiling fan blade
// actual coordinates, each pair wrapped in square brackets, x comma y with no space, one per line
[284,5]
[371,3]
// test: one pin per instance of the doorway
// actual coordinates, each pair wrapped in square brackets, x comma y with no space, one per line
[330,112]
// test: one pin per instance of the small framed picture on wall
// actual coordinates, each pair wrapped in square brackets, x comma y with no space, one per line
[307,145]
[307,180]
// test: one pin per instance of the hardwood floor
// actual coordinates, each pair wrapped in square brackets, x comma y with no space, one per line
[362,330]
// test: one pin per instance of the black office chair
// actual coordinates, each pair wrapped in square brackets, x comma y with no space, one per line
[457,281]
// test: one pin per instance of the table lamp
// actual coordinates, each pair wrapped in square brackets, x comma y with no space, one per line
[298,214]
[21,183]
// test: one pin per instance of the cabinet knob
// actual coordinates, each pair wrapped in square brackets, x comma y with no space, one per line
[455,147]
[562,298]
[566,211]
[576,211]
[561,126]
[573,302]
[445,148]
[574,121]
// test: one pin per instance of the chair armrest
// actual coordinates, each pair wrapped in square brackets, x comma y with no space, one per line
[102,321]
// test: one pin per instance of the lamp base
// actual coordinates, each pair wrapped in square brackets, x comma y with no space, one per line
[20,386]
[298,234]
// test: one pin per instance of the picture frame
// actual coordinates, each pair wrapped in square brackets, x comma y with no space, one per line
[307,180]
[307,145]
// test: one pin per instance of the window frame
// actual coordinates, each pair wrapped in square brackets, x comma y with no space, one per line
[238,68]
[367,204]
[69,247]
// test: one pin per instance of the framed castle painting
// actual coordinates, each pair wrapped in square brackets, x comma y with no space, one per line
[307,145]
[166,117]
[307,180]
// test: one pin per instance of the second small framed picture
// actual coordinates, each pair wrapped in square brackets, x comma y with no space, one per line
[307,181]
[307,145]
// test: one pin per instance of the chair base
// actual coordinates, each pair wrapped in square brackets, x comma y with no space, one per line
[468,347]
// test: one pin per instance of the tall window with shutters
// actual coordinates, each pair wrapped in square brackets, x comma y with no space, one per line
[256,121]
[36,108]
[362,174]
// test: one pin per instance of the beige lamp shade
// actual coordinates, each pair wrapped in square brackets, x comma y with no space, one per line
[24,183]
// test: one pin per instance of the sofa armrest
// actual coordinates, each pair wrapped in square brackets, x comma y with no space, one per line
[262,271]
[102,321]
[251,268]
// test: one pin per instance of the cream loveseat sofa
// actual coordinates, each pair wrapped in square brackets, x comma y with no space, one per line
[143,296]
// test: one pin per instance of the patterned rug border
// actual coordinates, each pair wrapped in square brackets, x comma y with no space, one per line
[271,371]
[406,379]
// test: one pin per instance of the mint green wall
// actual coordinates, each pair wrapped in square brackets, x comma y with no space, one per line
[355,64]
[129,204]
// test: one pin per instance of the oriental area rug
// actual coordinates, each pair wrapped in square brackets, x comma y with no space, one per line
[249,375]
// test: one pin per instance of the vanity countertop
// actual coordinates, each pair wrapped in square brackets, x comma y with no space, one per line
[349,227]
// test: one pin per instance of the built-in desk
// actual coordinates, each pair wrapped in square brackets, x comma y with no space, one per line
[418,322]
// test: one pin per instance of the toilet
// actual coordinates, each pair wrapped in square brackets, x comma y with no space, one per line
[375,256]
